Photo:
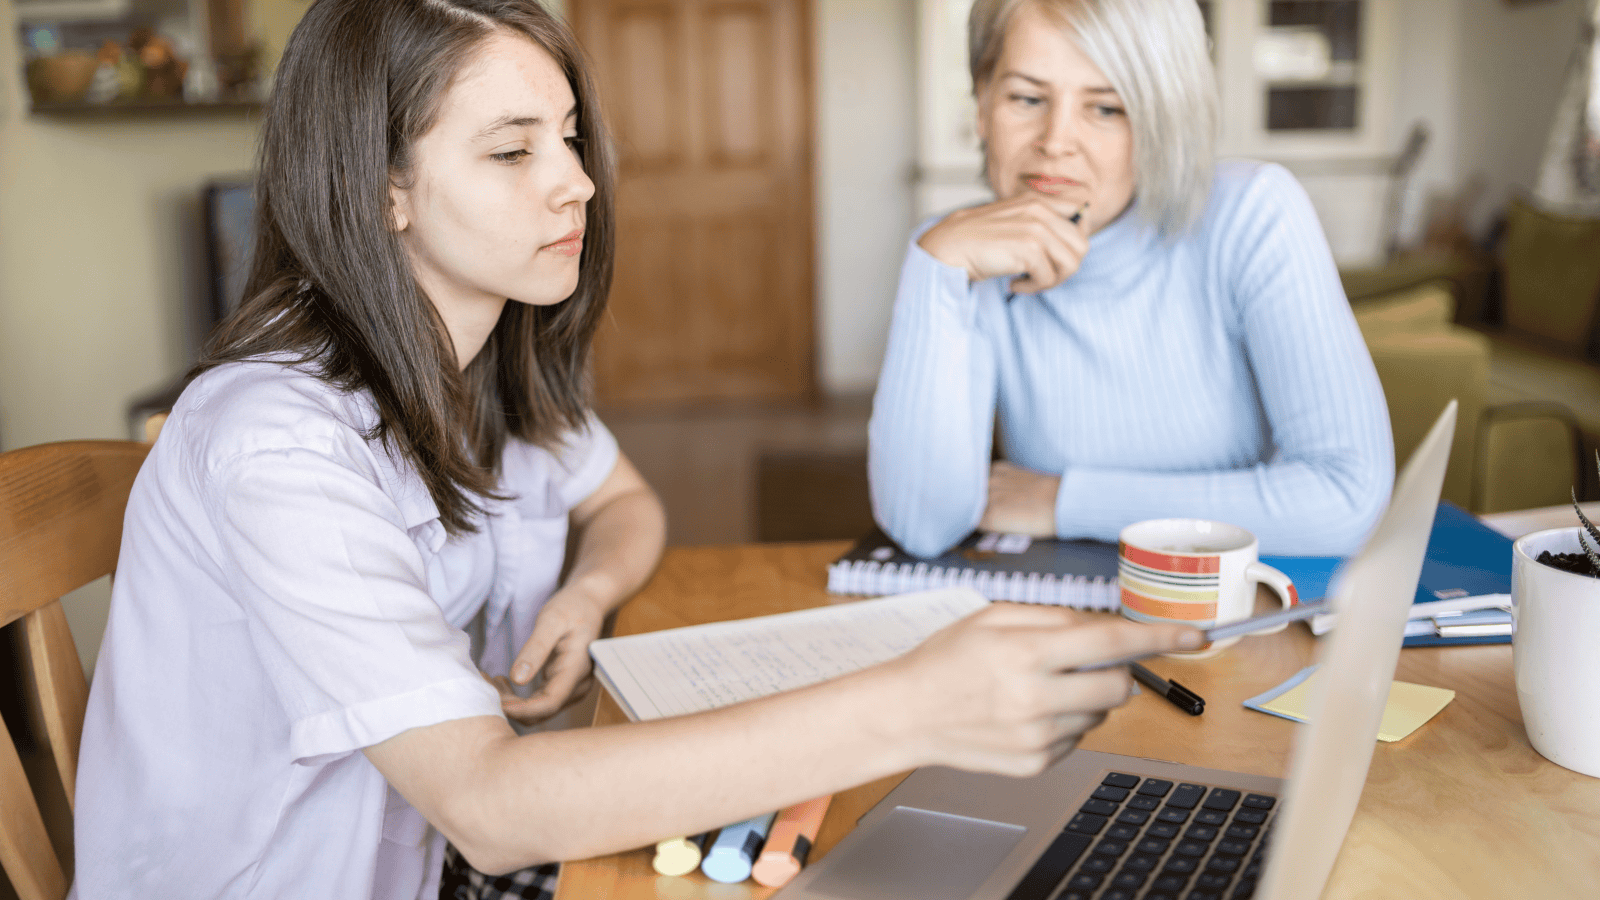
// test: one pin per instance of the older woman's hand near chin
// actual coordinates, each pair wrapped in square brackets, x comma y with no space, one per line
[1024,236]
[1021,501]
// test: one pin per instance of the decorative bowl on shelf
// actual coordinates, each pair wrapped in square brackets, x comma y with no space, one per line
[62,78]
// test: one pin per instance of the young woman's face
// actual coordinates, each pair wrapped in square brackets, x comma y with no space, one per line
[494,207]
[1052,125]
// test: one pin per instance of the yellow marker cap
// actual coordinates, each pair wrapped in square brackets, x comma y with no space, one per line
[677,856]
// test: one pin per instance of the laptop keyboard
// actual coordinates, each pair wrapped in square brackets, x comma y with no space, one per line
[1148,839]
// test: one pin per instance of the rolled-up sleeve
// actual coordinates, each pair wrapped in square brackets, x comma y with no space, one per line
[587,455]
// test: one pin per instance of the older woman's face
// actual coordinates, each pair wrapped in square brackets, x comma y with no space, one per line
[1052,125]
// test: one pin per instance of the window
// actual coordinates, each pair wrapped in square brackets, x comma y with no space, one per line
[1303,78]
[1309,57]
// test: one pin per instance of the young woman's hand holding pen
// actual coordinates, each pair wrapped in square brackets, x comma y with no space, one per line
[995,692]
[1025,236]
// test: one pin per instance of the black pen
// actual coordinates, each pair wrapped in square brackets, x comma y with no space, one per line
[1075,218]
[1176,694]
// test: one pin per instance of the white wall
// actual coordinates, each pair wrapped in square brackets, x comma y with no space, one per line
[1428,90]
[866,146]
[1511,65]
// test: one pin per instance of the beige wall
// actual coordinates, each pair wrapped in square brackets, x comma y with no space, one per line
[866,147]
[98,256]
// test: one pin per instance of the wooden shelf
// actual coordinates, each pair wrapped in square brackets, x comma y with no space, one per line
[139,108]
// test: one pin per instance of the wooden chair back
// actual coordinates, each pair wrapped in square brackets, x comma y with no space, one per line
[61,508]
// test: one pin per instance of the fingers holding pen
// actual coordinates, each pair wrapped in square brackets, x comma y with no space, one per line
[1066,244]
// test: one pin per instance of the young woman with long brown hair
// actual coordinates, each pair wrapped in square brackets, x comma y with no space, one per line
[355,518]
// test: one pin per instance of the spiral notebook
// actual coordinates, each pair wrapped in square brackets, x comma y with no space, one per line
[1015,567]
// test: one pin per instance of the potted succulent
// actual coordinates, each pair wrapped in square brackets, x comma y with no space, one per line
[1555,597]
[1586,562]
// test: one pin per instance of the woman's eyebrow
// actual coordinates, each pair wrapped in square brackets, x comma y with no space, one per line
[511,120]
[1028,78]
[504,122]
[1040,82]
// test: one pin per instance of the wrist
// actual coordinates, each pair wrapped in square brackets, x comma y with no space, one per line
[888,718]
[933,242]
[594,591]
[1053,502]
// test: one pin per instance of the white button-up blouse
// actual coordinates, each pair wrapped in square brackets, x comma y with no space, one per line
[286,596]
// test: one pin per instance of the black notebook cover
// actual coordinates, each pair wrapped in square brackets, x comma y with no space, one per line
[1081,574]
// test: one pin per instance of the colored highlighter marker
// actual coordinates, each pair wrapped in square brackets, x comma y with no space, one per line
[790,842]
[734,851]
[680,855]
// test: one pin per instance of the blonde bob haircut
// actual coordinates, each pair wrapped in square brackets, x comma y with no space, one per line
[1155,54]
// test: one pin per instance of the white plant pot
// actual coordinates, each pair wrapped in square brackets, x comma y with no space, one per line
[1556,651]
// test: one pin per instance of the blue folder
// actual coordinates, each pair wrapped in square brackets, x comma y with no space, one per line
[1466,558]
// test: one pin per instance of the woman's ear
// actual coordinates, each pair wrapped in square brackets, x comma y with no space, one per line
[399,207]
[980,94]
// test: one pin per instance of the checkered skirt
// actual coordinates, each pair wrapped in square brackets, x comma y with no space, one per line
[462,882]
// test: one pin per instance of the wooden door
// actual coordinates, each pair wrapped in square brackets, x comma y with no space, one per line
[709,103]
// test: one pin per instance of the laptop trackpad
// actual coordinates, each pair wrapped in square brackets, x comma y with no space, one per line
[915,854]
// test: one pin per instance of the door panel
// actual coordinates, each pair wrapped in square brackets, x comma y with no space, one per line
[739,37]
[709,102]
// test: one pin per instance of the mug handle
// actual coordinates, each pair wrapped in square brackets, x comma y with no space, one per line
[1280,584]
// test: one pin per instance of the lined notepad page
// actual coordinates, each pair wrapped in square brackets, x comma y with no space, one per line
[685,670]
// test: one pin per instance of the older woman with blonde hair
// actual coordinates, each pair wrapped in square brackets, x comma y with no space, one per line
[1154,333]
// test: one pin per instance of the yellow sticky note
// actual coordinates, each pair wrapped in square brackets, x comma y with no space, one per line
[1409,706]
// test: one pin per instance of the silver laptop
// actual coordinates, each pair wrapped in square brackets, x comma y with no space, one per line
[1100,826]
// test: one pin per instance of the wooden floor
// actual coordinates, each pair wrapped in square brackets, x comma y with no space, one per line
[714,466]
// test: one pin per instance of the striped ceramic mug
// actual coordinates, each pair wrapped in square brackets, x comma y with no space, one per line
[1194,571]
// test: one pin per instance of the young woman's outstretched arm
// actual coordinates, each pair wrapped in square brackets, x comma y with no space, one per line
[992,692]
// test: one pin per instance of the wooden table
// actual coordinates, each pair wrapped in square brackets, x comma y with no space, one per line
[1463,807]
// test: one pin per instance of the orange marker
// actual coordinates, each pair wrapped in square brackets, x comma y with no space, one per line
[789,843]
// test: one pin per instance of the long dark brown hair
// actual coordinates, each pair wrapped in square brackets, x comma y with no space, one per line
[330,286]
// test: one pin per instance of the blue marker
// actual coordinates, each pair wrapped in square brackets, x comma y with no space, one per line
[735,850]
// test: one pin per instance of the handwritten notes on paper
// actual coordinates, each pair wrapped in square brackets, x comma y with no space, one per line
[685,670]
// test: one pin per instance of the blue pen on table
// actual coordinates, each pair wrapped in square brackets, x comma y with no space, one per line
[1175,693]
[733,853]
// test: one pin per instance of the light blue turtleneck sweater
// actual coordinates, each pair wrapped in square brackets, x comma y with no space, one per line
[1218,375]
